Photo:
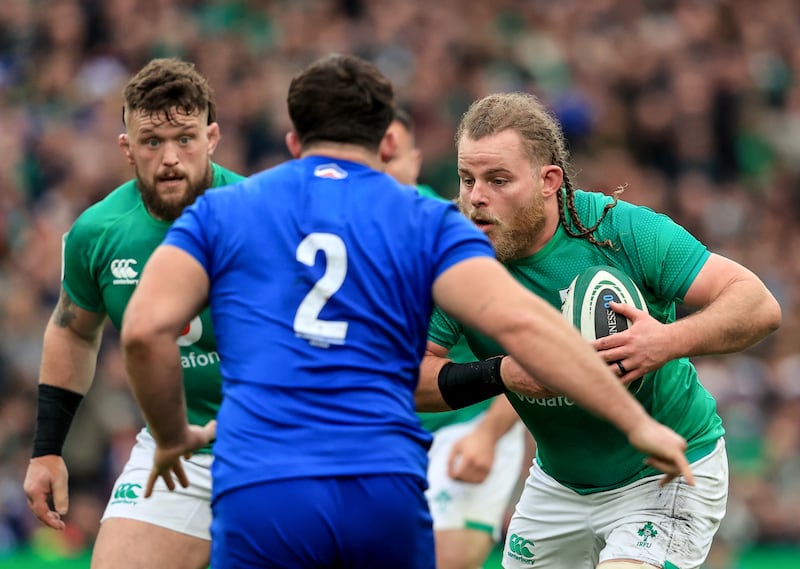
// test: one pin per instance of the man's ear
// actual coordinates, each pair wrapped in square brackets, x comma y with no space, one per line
[125,146]
[552,179]
[293,144]
[388,146]
[214,137]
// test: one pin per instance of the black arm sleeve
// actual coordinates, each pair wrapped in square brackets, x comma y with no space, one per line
[462,385]
[57,407]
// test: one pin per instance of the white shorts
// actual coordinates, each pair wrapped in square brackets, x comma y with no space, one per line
[459,505]
[185,510]
[670,526]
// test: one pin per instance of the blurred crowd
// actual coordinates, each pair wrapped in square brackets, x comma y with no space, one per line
[693,106]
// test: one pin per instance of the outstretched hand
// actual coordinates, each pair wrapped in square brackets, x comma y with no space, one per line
[665,450]
[167,460]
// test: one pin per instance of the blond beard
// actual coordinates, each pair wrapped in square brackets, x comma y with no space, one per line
[515,238]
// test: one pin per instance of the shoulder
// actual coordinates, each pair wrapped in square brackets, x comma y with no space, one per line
[427,191]
[119,203]
[591,204]
[223,176]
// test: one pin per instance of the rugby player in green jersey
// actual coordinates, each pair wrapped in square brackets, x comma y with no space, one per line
[171,133]
[590,499]
[476,457]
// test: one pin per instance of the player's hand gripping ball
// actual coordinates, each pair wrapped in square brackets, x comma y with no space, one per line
[586,303]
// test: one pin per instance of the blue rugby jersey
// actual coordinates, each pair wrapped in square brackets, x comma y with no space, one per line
[321,273]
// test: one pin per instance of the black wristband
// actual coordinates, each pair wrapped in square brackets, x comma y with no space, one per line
[462,385]
[57,407]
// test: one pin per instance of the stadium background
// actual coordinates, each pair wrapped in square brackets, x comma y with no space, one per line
[692,105]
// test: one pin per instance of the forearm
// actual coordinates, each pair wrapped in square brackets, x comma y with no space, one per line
[445,385]
[427,396]
[156,378]
[548,348]
[66,371]
[518,381]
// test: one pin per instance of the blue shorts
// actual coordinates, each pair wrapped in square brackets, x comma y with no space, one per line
[337,522]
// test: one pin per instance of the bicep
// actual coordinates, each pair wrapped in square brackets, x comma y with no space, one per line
[69,317]
[716,275]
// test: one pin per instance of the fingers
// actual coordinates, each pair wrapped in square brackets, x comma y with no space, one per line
[627,310]
[181,474]
[151,482]
[211,429]
[60,496]
[53,520]
[666,479]
[686,472]
[201,436]
[454,464]
[165,473]
[672,468]
[38,505]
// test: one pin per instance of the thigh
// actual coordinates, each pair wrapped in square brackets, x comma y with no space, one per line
[457,548]
[550,528]
[183,510]
[674,524]
[347,522]
[131,544]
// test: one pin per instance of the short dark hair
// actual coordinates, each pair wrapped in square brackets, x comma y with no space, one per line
[169,83]
[341,98]
[404,118]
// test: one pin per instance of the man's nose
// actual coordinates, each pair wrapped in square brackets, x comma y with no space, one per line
[170,157]
[479,195]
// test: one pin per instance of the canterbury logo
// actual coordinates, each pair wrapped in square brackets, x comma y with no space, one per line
[519,546]
[122,269]
[127,491]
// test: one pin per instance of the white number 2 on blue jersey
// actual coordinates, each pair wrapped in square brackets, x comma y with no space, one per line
[307,324]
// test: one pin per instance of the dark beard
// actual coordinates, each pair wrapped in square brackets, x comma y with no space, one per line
[170,211]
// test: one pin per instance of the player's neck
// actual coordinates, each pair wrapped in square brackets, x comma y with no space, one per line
[342,151]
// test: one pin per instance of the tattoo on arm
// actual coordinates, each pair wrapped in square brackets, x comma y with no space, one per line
[64,314]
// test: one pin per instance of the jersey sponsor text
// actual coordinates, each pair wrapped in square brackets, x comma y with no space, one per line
[202,359]
[559,401]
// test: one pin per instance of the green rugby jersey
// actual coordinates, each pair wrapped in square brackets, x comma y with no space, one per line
[105,251]
[576,448]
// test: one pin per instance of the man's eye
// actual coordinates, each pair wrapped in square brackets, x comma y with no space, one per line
[184,139]
[152,142]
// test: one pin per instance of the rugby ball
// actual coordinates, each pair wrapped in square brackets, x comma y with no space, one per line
[586,302]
